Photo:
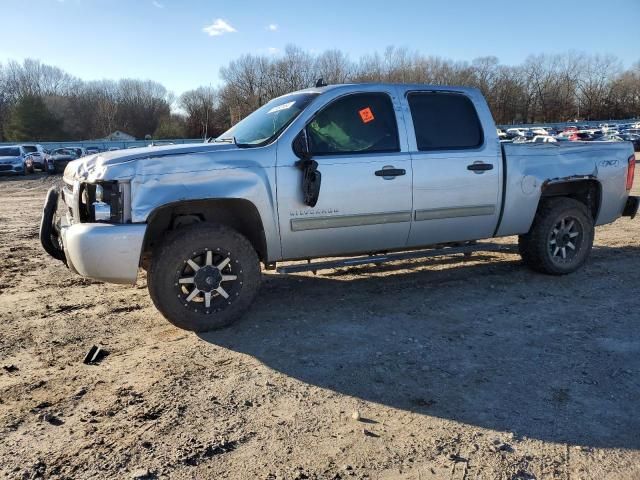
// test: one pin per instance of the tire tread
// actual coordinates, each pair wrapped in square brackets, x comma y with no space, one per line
[533,245]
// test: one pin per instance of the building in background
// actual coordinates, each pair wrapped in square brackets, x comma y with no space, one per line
[117,136]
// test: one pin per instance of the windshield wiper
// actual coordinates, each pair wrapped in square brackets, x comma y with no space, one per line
[234,141]
[226,140]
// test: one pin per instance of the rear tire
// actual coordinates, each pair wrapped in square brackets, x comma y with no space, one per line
[204,276]
[560,239]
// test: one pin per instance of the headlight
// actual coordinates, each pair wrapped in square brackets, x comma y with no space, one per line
[99,193]
[101,202]
[102,212]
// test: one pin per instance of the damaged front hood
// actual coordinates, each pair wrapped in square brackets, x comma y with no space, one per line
[122,164]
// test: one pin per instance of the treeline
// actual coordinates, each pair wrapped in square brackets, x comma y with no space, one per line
[42,102]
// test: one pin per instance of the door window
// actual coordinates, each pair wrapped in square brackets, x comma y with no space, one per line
[444,121]
[354,124]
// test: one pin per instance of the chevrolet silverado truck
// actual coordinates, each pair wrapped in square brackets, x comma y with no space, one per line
[356,173]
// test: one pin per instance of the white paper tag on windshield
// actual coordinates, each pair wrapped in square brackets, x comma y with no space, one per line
[284,106]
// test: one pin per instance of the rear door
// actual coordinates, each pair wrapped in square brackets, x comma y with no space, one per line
[365,195]
[456,167]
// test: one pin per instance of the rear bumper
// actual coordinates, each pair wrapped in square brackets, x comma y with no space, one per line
[105,252]
[631,207]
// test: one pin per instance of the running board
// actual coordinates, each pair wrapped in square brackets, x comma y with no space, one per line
[391,257]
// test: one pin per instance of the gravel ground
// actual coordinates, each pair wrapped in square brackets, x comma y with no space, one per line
[435,369]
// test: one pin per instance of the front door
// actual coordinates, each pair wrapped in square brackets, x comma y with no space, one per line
[365,195]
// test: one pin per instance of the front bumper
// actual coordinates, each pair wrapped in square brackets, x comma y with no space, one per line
[102,251]
[631,207]
[15,168]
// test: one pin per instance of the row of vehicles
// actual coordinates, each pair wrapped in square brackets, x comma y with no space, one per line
[27,158]
[627,132]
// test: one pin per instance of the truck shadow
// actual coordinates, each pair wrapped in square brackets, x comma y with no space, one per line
[488,344]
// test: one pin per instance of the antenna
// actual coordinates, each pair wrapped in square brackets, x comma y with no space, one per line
[320,83]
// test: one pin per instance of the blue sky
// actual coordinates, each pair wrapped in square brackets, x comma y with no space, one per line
[183,43]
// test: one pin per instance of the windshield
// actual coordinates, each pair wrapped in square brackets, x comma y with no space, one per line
[65,151]
[266,123]
[30,148]
[9,152]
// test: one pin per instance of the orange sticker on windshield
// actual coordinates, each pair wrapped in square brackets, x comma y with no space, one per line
[366,115]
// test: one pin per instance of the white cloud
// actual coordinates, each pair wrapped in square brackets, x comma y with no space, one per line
[218,27]
[272,27]
[273,50]
[157,4]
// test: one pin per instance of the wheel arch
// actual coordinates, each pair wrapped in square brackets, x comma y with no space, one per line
[238,213]
[586,190]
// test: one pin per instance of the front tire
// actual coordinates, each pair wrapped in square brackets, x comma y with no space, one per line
[204,276]
[560,239]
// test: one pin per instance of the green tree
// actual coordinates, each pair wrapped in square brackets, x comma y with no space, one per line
[172,126]
[31,120]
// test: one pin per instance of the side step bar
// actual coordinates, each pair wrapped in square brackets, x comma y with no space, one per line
[391,257]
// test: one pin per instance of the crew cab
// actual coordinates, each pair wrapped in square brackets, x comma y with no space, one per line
[362,172]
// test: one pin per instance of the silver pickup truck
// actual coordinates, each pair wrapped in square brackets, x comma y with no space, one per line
[375,171]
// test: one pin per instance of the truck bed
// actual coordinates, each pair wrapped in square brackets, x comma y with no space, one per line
[528,168]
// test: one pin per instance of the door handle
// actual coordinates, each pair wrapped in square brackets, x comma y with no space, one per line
[480,167]
[390,172]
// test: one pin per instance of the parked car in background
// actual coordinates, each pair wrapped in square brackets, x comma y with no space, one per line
[608,138]
[60,157]
[502,135]
[585,136]
[15,160]
[605,127]
[38,156]
[539,131]
[543,139]
[517,132]
[80,151]
[633,138]
[92,150]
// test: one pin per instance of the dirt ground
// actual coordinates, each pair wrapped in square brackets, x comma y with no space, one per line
[472,370]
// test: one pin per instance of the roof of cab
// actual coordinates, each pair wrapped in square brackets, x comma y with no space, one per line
[405,86]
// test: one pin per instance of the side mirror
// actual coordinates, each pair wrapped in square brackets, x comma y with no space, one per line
[301,146]
[311,177]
